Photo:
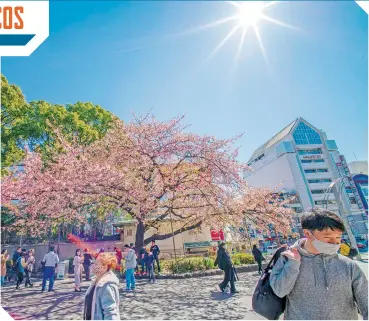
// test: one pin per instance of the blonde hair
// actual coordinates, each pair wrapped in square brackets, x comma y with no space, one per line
[108,260]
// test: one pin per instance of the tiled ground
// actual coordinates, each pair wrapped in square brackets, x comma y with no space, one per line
[196,298]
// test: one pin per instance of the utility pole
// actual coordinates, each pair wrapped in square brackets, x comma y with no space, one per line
[174,243]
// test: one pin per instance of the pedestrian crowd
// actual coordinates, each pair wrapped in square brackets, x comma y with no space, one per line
[315,278]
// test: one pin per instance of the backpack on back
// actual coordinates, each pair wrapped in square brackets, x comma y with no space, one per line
[264,301]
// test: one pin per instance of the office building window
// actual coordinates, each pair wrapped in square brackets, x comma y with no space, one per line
[324,202]
[316,151]
[309,171]
[306,161]
[319,181]
[348,190]
[322,170]
[318,191]
[304,135]
[309,161]
[352,200]
[129,232]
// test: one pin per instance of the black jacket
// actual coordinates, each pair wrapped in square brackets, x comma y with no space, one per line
[223,259]
[258,256]
[155,250]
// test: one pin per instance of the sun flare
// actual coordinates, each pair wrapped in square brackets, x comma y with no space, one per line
[249,13]
[248,16]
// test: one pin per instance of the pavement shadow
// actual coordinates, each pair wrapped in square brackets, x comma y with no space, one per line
[220,296]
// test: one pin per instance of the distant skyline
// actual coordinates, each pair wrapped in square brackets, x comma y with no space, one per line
[141,56]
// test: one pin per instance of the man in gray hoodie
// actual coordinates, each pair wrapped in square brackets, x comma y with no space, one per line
[318,283]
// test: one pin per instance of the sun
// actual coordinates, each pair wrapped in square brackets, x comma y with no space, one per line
[248,16]
[249,13]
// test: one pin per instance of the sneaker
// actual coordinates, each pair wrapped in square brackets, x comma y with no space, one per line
[128,290]
[221,289]
[133,289]
[234,292]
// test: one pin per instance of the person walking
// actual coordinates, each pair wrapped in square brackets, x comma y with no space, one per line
[20,264]
[102,297]
[50,261]
[4,259]
[131,264]
[87,260]
[258,256]
[224,262]
[155,252]
[29,267]
[77,263]
[317,282]
[141,255]
[149,263]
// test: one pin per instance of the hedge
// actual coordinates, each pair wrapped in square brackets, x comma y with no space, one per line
[193,264]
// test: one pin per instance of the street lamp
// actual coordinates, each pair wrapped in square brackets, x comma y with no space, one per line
[338,193]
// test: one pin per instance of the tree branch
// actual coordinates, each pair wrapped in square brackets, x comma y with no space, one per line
[159,237]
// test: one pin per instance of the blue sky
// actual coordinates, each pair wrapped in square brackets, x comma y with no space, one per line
[136,56]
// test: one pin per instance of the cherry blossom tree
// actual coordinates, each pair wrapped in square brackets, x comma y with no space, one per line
[157,172]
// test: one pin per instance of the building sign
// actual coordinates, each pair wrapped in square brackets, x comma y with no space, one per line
[217,235]
[312,157]
[191,245]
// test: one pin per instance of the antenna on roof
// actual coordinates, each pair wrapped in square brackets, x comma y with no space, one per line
[354,156]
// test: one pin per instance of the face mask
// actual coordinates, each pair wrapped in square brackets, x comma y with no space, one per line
[98,270]
[325,248]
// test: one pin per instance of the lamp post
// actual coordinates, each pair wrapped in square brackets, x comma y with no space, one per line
[341,209]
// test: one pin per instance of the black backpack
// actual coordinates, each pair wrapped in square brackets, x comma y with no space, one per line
[264,301]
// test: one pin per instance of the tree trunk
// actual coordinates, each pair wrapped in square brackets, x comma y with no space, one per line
[140,235]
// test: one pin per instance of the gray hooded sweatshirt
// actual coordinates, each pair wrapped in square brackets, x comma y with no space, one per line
[320,287]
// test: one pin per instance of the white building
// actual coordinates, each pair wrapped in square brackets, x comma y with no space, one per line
[358,167]
[301,160]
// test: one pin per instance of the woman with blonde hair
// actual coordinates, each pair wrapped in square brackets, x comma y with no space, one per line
[4,258]
[77,262]
[102,297]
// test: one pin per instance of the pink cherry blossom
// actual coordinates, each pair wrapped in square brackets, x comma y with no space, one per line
[150,169]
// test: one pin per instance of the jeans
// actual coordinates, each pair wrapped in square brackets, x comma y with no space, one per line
[130,279]
[28,275]
[151,273]
[49,274]
[2,280]
[20,277]
[143,266]
[157,262]
[259,266]
[86,267]
[229,277]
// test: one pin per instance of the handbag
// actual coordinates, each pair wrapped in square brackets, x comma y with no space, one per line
[264,301]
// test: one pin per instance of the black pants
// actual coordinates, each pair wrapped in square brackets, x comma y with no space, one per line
[19,278]
[28,275]
[86,267]
[229,277]
[158,263]
[259,265]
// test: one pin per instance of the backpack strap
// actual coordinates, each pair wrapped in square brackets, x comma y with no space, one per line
[275,257]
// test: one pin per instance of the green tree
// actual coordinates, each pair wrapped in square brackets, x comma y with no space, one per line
[35,124]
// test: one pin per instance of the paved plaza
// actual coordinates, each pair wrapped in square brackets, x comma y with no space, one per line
[194,298]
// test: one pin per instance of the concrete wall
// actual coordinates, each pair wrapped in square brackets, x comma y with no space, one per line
[67,250]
